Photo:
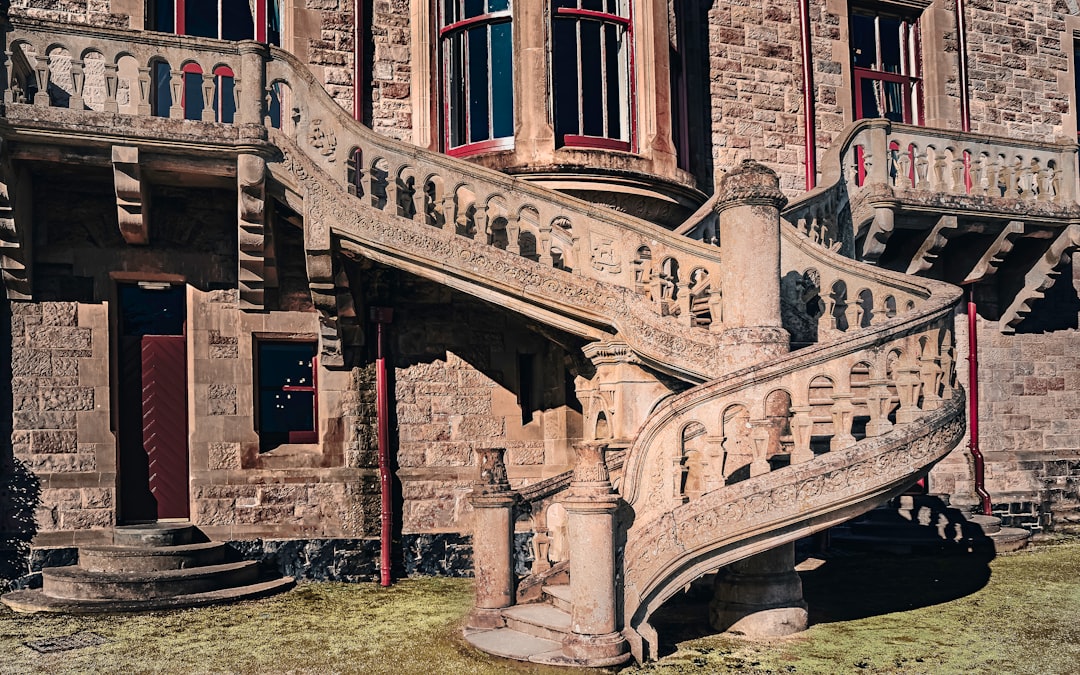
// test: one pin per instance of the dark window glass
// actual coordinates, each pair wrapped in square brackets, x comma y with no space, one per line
[225,99]
[565,76]
[162,16]
[502,81]
[273,107]
[286,393]
[478,80]
[273,22]
[237,23]
[162,95]
[863,42]
[193,99]
[892,53]
[152,311]
[201,18]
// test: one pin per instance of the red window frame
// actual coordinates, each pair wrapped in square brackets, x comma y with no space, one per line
[451,31]
[911,62]
[260,19]
[626,23]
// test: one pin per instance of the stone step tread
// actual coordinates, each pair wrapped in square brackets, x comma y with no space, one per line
[154,534]
[543,615]
[36,601]
[512,644]
[119,550]
[560,591]
[77,573]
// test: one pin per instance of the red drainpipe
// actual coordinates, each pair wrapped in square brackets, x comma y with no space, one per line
[358,61]
[961,46]
[973,405]
[382,316]
[809,109]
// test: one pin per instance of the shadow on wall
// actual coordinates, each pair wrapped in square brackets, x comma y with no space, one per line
[20,491]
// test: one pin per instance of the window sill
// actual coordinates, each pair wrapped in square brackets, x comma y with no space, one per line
[287,456]
[496,145]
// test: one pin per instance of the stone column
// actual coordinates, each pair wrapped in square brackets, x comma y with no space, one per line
[252,83]
[749,224]
[595,639]
[760,596]
[493,533]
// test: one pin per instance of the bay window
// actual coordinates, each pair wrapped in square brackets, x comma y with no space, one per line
[887,65]
[591,59]
[476,49]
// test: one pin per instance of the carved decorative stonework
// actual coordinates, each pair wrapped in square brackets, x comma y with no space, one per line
[605,257]
[492,471]
[132,200]
[750,183]
[322,138]
[251,205]
[590,464]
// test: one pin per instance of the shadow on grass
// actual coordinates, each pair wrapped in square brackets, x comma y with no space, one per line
[898,565]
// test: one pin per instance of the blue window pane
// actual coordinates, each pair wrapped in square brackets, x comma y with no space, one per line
[478,84]
[193,100]
[162,16]
[455,89]
[592,80]
[616,97]
[474,8]
[863,42]
[564,76]
[224,99]
[498,5]
[162,100]
[502,81]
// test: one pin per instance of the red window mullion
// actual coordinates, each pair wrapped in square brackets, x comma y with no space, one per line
[181,23]
[592,14]
[260,20]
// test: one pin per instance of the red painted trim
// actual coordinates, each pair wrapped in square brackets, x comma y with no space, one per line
[180,20]
[224,71]
[575,141]
[592,14]
[809,108]
[260,19]
[382,316]
[191,67]
[465,24]
[492,145]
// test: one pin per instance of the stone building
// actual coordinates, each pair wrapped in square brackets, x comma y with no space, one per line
[525,218]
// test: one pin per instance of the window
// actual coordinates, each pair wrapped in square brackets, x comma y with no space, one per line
[224,19]
[887,65]
[590,72]
[287,401]
[476,48]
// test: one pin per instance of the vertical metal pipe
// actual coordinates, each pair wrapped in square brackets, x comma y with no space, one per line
[961,47]
[809,109]
[382,316]
[973,404]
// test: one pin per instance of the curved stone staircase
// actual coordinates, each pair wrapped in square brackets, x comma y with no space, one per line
[147,567]
[755,447]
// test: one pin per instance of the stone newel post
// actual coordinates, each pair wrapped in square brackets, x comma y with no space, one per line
[595,639]
[493,533]
[749,225]
[252,83]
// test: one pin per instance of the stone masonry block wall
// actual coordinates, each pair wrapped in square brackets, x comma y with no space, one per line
[391,71]
[290,491]
[60,415]
[93,12]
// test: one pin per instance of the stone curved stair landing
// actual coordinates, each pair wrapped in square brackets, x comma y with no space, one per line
[148,567]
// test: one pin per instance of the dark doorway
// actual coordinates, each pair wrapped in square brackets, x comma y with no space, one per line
[152,403]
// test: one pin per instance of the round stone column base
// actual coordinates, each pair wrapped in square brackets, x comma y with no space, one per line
[485,619]
[597,651]
[760,596]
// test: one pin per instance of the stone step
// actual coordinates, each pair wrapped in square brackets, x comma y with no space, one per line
[559,596]
[512,644]
[36,601]
[1008,539]
[154,534]
[539,620]
[150,559]
[76,583]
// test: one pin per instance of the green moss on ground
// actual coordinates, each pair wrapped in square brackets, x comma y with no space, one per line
[873,614]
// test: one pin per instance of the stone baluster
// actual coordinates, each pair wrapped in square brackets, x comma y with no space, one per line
[207,90]
[802,432]
[959,174]
[876,159]
[843,415]
[493,534]
[922,169]
[544,245]
[683,300]
[449,210]
[938,179]
[78,79]
[714,463]
[483,227]
[930,374]
[590,509]
[1013,187]
[907,388]
[903,170]
[759,440]
[176,88]
[143,84]
[10,81]
[879,401]
[853,312]
[250,107]
[541,546]
[1046,184]
[392,187]
[41,71]
[991,169]
[880,313]
[420,201]
[112,82]
[513,230]
[948,365]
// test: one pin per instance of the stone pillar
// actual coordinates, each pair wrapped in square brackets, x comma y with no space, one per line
[749,224]
[252,83]
[493,534]
[760,596]
[595,639]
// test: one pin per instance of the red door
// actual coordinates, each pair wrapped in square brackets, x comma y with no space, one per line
[164,422]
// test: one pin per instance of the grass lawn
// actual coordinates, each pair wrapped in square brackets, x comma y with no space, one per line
[1018,613]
